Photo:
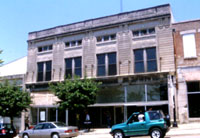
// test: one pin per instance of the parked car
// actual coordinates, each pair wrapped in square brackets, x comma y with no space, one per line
[50,130]
[151,123]
[7,130]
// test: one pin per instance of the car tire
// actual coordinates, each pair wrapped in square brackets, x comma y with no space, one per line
[156,133]
[118,134]
[55,135]
[25,136]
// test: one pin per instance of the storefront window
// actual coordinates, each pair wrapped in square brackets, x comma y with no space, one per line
[111,94]
[157,92]
[135,93]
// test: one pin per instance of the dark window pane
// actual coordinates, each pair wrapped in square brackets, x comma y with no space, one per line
[151,53]
[194,106]
[144,32]
[73,43]
[40,76]
[139,55]
[78,72]
[101,59]
[113,37]
[152,31]
[50,47]
[48,66]
[112,64]
[135,33]
[151,59]
[80,42]
[41,67]
[112,70]
[151,65]
[99,39]
[157,92]
[106,38]
[67,44]
[45,48]
[68,63]
[139,67]
[112,58]
[39,49]
[101,70]
[77,62]
[193,86]
[68,73]
[68,67]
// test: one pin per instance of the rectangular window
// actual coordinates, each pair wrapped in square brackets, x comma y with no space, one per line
[101,66]
[139,60]
[45,48]
[73,43]
[144,32]
[112,66]
[106,38]
[73,66]
[78,65]
[106,64]
[189,46]
[145,60]
[44,71]
[68,67]
[151,59]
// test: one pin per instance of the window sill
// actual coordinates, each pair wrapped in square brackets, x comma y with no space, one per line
[190,58]
[73,48]
[106,43]
[144,37]
[45,52]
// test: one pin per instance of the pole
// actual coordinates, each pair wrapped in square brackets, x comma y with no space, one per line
[174,102]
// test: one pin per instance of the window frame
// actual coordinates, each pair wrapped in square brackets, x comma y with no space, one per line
[145,60]
[44,72]
[106,64]
[106,38]
[73,67]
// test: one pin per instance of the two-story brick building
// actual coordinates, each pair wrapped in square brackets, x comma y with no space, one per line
[187,49]
[132,53]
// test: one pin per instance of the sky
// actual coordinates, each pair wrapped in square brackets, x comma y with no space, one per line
[19,17]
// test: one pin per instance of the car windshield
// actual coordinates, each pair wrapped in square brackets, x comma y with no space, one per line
[60,124]
[5,126]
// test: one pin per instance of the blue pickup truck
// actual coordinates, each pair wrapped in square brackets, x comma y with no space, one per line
[151,123]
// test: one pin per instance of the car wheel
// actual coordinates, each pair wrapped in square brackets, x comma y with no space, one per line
[118,134]
[55,136]
[156,133]
[25,136]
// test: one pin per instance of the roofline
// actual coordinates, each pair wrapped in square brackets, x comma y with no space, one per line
[13,61]
[187,21]
[164,5]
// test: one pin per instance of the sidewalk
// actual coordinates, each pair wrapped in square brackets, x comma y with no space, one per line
[182,129]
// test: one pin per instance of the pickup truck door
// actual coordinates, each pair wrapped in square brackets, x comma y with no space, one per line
[137,128]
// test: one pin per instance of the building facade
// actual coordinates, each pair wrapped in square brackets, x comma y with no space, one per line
[187,49]
[132,53]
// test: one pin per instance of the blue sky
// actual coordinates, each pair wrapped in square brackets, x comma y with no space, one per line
[19,17]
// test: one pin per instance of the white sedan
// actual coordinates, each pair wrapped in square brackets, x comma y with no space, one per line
[50,130]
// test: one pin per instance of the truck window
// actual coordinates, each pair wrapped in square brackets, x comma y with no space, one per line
[154,115]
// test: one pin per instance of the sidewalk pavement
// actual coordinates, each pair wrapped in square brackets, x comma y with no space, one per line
[181,130]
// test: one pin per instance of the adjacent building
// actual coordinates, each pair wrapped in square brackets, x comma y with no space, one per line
[15,72]
[132,53]
[187,52]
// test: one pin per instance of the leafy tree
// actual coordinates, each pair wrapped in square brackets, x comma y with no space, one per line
[76,94]
[1,61]
[13,100]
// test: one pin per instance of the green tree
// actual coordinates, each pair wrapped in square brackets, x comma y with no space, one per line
[76,94]
[13,100]
[1,61]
